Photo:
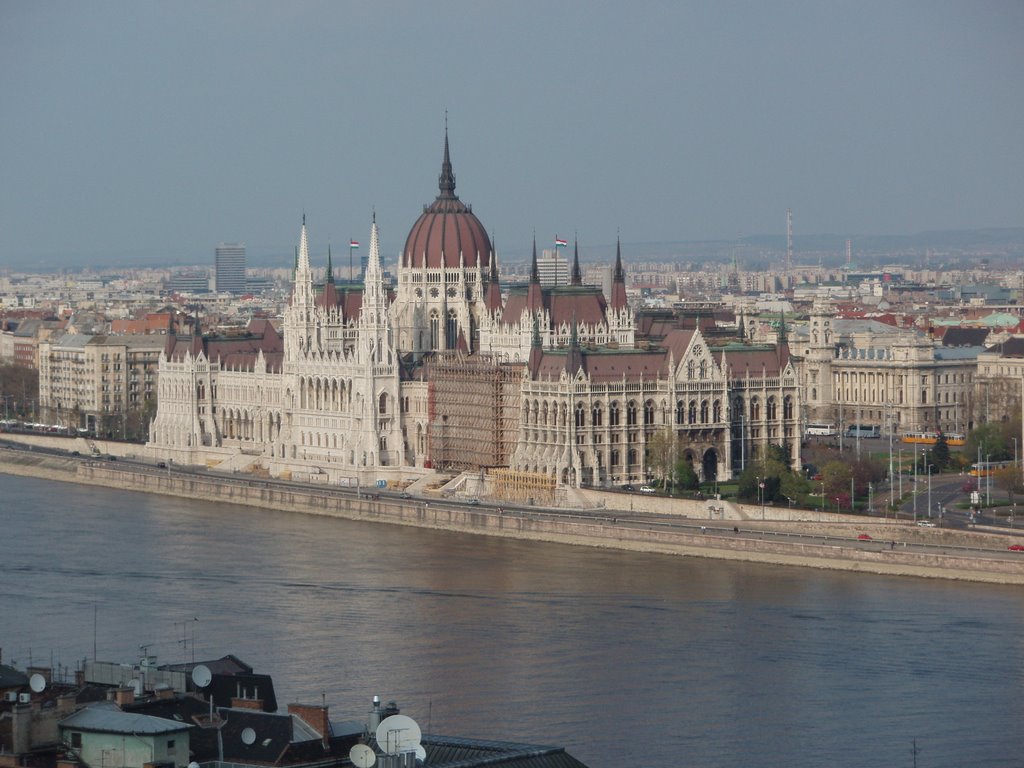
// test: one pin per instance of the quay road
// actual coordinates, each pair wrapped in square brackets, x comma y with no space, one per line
[713,530]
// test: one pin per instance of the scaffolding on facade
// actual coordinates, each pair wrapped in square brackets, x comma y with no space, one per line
[473,410]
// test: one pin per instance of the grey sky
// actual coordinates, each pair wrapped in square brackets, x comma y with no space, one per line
[160,129]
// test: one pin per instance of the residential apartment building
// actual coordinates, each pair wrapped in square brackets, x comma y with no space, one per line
[106,384]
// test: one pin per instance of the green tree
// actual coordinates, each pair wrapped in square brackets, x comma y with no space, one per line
[686,476]
[837,475]
[939,454]
[661,455]
[991,440]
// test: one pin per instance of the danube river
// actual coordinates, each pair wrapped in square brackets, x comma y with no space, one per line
[624,659]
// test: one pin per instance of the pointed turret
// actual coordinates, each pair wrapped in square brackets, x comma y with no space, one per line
[577,275]
[574,357]
[618,279]
[534,297]
[536,349]
[492,299]
[330,266]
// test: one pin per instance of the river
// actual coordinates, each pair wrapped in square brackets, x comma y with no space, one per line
[622,658]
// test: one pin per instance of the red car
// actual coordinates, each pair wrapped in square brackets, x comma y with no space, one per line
[1016,547]
[865,537]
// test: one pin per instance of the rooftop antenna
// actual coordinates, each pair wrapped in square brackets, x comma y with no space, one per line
[789,239]
[849,252]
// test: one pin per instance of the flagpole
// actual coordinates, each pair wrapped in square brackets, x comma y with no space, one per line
[350,249]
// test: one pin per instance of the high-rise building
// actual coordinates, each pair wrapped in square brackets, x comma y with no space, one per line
[553,268]
[230,266]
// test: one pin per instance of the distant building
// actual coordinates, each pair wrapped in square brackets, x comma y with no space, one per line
[230,268]
[188,282]
[552,268]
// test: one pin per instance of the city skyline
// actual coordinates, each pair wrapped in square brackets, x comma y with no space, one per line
[163,130]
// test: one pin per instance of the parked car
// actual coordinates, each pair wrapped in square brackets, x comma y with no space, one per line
[864,537]
[628,487]
[925,524]
[1016,547]
[646,489]
[473,502]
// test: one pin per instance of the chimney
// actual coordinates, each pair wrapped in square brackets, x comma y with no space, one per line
[317,718]
[124,695]
[375,717]
[237,703]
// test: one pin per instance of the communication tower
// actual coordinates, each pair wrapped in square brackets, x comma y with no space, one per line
[789,239]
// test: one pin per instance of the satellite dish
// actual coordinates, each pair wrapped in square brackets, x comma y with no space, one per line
[193,765]
[37,683]
[248,736]
[398,733]
[201,675]
[421,753]
[362,756]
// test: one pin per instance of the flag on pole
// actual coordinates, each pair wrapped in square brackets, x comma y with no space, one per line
[560,243]
[353,243]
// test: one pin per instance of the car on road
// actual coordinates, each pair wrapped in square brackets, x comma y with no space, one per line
[405,495]
[473,502]
[646,489]
[863,537]
[161,465]
[628,487]
[925,524]
[1016,547]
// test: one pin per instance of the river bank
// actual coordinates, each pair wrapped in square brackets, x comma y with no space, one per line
[759,542]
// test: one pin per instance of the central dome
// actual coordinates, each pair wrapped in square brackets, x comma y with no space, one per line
[447,232]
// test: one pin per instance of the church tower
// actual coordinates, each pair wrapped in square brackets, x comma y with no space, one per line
[819,355]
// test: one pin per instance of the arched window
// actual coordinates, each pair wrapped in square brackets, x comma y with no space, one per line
[703,411]
[613,414]
[771,409]
[632,456]
[451,331]
[787,407]
[755,409]
[690,369]
[435,331]
[579,415]
[737,408]
[680,411]
[703,369]
[691,413]
[649,412]
[595,415]
[383,406]
[615,457]
[631,413]
[716,411]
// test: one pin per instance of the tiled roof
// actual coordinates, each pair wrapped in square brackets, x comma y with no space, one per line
[447,752]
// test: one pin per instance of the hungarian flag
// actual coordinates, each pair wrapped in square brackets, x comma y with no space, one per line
[353,243]
[560,243]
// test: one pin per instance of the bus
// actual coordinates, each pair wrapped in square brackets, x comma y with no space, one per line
[986,468]
[823,430]
[931,438]
[863,430]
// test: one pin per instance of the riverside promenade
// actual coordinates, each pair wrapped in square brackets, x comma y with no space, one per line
[893,549]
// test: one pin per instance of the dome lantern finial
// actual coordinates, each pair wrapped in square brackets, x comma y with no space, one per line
[446,181]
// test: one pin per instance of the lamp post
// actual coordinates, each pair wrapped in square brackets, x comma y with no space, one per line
[930,466]
[915,482]
[822,495]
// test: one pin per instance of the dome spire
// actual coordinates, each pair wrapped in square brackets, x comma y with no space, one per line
[446,181]
[577,275]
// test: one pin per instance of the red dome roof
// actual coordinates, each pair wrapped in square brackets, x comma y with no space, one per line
[447,229]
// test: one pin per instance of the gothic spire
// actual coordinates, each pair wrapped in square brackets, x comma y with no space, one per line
[577,275]
[330,269]
[534,270]
[618,279]
[446,181]
[619,274]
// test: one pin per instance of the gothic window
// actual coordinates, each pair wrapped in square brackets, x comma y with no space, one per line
[924,396]
[595,415]
[435,331]
[382,407]
[703,369]
[703,411]
[716,411]
[691,413]
[649,412]
[632,456]
[631,413]
[680,411]
[772,415]
[787,407]
[755,409]
[579,415]
[451,330]
[613,414]
[690,367]
[615,457]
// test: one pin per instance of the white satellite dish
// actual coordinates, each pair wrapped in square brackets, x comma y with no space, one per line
[362,756]
[193,765]
[37,683]
[248,736]
[398,733]
[201,675]
[421,753]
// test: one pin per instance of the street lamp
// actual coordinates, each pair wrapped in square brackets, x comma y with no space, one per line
[930,466]
[822,495]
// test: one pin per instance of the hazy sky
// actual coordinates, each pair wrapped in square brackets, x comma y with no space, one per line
[161,129]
